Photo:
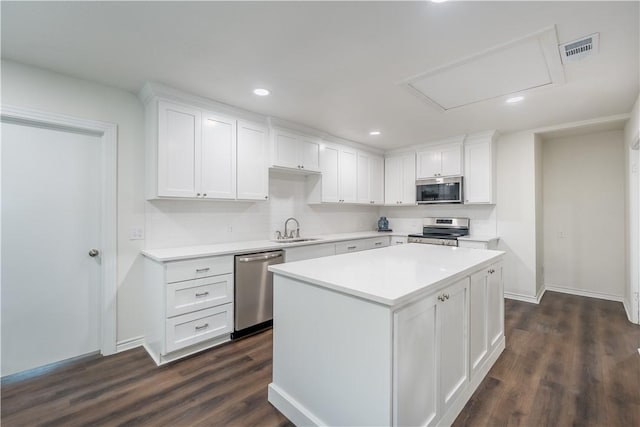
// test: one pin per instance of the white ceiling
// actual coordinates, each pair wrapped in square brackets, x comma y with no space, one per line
[334,66]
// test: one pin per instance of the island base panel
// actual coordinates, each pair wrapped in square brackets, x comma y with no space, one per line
[332,356]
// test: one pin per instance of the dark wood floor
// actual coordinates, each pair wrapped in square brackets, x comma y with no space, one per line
[569,361]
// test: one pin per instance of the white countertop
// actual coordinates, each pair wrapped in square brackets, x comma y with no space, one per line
[186,252]
[392,275]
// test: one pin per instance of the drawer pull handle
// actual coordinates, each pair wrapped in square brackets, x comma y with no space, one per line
[202,270]
[378,243]
[350,247]
[202,294]
[206,325]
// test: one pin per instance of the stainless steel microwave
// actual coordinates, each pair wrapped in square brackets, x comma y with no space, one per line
[439,190]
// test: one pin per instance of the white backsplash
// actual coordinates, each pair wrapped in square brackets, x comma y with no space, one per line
[173,223]
[409,219]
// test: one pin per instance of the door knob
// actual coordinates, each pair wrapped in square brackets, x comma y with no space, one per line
[94,253]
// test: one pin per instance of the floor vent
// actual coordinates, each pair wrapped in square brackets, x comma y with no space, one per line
[578,49]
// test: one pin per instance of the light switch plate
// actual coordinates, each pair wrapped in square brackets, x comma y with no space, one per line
[136,233]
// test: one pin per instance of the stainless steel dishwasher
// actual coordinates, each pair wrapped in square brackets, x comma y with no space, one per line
[253,302]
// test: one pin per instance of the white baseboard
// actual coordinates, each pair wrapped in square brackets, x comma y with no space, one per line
[627,309]
[128,344]
[583,293]
[291,408]
[525,298]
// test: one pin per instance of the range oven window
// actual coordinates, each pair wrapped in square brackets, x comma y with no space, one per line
[441,192]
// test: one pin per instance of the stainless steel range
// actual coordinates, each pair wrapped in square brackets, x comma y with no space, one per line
[441,231]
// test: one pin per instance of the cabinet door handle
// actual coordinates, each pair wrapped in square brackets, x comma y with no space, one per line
[202,270]
[206,325]
[441,297]
[202,294]
[198,195]
[302,166]
[446,296]
[378,243]
[266,197]
[204,195]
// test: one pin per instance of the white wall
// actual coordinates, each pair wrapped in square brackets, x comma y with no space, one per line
[184,223]
[409,219]
[539,200]
[632,217]
[584,214]
[515,213]
[26,86]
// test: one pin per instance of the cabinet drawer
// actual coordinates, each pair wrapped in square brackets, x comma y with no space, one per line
[350,246]
[188,329]
[187,296]
[377,242]
[199,267]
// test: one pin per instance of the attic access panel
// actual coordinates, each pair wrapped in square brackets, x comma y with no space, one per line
[513,67]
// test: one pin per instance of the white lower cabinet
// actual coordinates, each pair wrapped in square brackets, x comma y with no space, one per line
[430,347]
[308,252]
[188,307]
[361,245]
[486,316]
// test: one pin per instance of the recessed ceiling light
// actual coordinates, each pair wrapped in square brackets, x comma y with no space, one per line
[375,132]
[438,1]
[514,99]
[261,92]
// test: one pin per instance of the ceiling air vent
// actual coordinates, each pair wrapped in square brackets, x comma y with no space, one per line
[578,49]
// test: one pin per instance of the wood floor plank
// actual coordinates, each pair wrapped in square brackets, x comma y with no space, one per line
[570,361]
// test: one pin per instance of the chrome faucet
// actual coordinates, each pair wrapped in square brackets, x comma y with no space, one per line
[286,235]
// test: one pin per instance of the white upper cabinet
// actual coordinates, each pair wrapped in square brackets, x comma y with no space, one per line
[217,158]
[339,175]
[194,153]
[437,161]
[178,146]
[347,175]
[370,183]
[295,151]
[400,180]
[252,154]
[480,169]
[329,164]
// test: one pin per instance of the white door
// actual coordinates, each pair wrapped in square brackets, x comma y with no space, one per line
[428,164]
[363,184]
[309,154]
[252,169]
[477,173]
[50,220]
[218,158]
[392,180]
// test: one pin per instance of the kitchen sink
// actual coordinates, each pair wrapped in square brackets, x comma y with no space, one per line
[293,240]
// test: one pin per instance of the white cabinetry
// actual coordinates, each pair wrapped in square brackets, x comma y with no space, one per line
[189,306]
[370,185]
[195,153]
[400,180]
[217,160]
[361,245]
[308,252]
[253,175]
[430,347]
[437,161]
[338,168]
[480,168]
[398,240]
[486,315]
[178,150]
[295,151]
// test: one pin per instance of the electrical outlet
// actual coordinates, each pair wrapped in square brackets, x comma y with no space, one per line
[562,235]
[136,233]
[229,229]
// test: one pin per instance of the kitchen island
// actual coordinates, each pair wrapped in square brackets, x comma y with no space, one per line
[397,336]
